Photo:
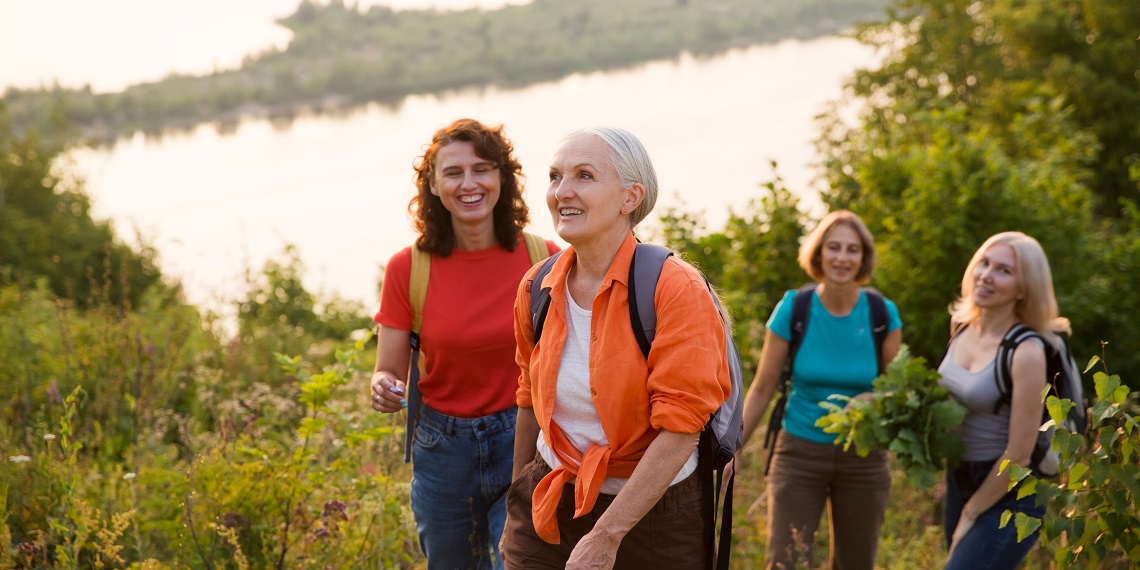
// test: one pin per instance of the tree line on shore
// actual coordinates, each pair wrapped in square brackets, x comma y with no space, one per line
[342,56]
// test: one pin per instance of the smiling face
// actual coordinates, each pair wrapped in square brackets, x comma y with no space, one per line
[467,184]
[996,282]
[586,199]
[841,255]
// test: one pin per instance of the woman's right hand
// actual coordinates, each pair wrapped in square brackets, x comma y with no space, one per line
[387,393]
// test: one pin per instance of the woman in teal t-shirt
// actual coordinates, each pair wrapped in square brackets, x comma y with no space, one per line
[837,356]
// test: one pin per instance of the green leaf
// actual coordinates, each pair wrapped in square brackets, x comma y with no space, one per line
[1092,362]
[1028,487]
[1105,385]
[1074,476]
[1005,516]
[1026,526]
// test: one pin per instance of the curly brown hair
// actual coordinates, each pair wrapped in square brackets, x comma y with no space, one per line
[433,222]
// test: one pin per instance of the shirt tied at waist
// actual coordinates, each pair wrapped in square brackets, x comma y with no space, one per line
[591,469]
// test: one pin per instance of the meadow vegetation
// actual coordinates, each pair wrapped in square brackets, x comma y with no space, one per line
[139,435]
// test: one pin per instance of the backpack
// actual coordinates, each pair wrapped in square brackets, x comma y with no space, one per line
[801,308]
[1064,380]
[417,292]
[723,435]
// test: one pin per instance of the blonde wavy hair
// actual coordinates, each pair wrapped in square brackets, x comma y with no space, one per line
[1037,307]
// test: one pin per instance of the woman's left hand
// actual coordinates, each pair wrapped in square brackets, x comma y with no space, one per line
[596,551]
[964,525]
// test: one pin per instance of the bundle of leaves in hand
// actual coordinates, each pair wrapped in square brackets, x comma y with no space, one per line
[908,413]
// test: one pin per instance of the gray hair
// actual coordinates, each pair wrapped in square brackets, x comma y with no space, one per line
[633,166]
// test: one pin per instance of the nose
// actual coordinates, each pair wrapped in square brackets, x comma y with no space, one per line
[562,190]
[468,180]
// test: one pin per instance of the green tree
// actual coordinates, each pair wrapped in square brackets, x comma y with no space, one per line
[46,230]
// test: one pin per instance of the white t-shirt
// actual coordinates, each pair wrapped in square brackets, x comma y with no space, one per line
[574,408]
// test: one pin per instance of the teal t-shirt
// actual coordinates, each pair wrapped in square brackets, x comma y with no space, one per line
[837,356]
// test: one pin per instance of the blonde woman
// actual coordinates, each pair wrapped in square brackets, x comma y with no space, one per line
[1007,282]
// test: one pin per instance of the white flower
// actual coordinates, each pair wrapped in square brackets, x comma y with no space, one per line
[129,476]
[19,459]
[49,436]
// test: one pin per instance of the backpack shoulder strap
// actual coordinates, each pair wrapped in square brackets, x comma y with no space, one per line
[880,322]
[1003,362]
[535,247]
[801,308]
[644,272]
[540,296]
[417,286]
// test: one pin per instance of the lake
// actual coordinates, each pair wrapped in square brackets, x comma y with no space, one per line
[216,205]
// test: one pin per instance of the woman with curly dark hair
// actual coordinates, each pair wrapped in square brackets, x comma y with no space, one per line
[469,213]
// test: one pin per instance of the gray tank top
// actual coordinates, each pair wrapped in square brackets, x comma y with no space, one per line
[984,434]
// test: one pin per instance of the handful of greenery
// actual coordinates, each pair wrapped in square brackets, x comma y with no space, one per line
[908,413]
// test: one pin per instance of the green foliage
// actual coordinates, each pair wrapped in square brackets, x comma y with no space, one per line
[907,413]
[1094,507]
[994,116]
[46,230]
[752,262]
[341,55]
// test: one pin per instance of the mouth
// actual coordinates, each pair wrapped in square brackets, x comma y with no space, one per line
[570,212]
[471,198]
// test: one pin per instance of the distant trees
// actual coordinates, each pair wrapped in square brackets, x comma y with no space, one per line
[341,55]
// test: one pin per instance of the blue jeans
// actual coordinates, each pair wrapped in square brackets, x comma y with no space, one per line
[986,546]
[461,469]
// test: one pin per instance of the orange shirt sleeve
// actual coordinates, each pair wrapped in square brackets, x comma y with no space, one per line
[524,338]
[688,369]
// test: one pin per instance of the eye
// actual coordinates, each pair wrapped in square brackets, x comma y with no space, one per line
[451,173]
[554,176]
[585,175]
[483,169]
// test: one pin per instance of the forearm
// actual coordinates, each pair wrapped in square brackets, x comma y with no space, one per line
[755,404]
[662,461]
[526,439]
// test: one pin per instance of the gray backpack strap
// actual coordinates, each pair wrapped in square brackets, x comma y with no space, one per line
[540,296]
[644,272]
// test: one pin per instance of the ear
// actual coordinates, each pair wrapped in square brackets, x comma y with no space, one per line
[633,197]
[434,192]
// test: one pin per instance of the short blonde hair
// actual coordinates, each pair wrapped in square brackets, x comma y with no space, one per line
[1037,307]
[811,250]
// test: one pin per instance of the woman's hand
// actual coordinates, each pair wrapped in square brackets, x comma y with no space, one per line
[965,523]
[387,393]
[596,551]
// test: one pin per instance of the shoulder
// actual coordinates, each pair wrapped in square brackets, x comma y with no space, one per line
[1030,352]
[400,262]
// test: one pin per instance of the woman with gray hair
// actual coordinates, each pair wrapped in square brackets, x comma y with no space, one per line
[605,446]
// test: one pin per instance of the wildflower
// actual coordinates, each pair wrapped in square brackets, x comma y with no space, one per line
[19,459]
[49,436]
[29,548]
[129,476]
[321,532]
[337,508]
[53,393]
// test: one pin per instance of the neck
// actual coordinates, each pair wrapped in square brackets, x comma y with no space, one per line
[595,256]
[838,298]
[472,237]
[995,321]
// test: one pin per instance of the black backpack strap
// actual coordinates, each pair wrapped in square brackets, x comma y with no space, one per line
[801,309]
[880,322]
[540,296]
[644,272]
[1003,362]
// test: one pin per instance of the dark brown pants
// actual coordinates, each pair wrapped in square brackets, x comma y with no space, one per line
[807,475]
[671,535]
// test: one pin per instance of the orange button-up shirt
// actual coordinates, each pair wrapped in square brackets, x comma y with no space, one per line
[684,379]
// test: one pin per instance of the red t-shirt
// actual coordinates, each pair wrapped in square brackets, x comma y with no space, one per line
[467,341]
